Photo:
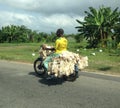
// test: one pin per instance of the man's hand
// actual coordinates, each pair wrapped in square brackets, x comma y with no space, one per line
[47,47]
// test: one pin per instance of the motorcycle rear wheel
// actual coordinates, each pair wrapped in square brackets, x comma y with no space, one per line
[71,77]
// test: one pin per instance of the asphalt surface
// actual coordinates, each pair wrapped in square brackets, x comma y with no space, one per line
[21,88]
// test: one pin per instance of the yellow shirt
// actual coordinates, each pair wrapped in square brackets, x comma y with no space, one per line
[61,45]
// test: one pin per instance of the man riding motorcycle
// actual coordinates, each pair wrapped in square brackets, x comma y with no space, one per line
[59,53]
[60,46]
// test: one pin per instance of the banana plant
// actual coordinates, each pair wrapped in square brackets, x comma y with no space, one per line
[97,24]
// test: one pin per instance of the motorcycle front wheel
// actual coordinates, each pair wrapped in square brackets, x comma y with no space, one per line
[38,67]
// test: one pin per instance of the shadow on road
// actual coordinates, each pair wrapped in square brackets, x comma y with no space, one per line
[52,82]
[49,82]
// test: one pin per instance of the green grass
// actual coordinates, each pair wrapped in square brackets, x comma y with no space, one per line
[19,52]
[101,62]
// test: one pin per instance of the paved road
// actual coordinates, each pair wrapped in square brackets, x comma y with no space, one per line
[21,88]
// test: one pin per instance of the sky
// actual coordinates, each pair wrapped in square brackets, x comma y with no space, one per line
[48,15]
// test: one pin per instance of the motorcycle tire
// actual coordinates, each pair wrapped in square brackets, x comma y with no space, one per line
[72,77]
[38,67]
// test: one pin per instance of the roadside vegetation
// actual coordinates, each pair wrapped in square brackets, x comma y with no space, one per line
[104,61]
[98,38]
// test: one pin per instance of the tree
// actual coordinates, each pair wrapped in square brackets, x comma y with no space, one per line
[116,31]
[97,24]
[12,33]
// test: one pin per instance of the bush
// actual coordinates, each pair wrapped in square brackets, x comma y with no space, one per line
[79,38]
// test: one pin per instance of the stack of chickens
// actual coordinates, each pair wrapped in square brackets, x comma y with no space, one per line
[44,53]
[65,63]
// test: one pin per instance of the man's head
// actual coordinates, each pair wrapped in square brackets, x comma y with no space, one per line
[59,32]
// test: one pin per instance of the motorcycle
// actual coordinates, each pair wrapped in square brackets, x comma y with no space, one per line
[41,71]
